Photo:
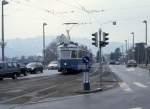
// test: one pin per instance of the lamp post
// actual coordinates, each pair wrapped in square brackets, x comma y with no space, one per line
[3,42]
[126,45]
[133,39]
[44,24]
[146,61]
[133,50]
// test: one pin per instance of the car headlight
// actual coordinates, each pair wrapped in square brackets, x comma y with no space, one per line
[32,68]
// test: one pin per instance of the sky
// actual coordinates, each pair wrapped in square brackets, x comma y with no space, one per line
[24,18]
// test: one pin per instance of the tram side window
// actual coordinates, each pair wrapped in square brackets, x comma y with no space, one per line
[74,54]
[65,54]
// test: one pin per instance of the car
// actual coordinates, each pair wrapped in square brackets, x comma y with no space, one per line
[9,70]
[131,63]
[23,69]
[117,63]
[53,65]
[112,62]
[34,67]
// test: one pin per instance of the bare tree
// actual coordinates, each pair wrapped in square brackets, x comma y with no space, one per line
[51,52]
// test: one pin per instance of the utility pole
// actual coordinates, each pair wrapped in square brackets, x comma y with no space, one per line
[44,49]
[3,41]
[146,60]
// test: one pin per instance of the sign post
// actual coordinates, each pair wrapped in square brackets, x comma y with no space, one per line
[86,78]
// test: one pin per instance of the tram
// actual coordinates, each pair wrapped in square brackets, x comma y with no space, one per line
[70,57]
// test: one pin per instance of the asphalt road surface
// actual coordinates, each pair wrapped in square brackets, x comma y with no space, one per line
[133,93]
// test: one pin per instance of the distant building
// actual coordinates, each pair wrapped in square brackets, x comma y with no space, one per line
[140,53]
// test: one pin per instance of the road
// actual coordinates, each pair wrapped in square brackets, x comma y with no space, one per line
[50,84]
[133,93]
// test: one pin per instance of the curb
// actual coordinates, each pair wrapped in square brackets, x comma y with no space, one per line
[90,91]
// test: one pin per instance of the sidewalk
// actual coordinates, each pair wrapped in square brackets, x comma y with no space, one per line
[144,66]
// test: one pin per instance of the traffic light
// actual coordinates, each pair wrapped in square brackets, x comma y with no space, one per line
[105,39]
[95,39]
[102,44]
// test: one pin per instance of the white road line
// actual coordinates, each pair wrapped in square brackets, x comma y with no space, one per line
[125,87]
[130,69]
[137,108]
[140,85]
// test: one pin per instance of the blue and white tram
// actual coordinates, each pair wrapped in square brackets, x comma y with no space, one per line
[70,58]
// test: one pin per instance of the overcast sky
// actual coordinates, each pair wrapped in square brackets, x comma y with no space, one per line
[24,18]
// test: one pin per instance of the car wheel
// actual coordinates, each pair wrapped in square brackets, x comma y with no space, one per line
[25,73]
[41,71]
[14,76]
[34,71]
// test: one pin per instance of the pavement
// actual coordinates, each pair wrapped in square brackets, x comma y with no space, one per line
[133,93]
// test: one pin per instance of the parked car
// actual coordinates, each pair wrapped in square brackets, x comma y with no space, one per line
[53,65]
[23,69]
[117,63]
[131,63]
[9,70]
[34,67]
[112,62]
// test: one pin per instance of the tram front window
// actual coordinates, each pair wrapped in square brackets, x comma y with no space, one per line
[74,54]
[65,54]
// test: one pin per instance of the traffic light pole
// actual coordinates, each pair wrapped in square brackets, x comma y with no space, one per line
[100,58]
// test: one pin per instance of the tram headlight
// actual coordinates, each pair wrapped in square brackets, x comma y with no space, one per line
[65,64]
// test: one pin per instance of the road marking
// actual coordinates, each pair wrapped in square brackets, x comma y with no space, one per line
[140,85]
[125,87]
[137,108]
[130,69]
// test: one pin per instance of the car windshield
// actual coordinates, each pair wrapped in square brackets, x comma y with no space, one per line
[31,64]
[131,61]
[54,62]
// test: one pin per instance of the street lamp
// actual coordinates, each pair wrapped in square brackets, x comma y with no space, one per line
[145,31]
[133,45]
[146,62]
[44,50]
[126,45]
[3,42]
[133,38]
